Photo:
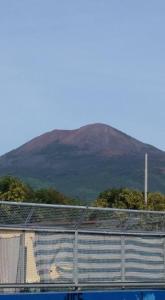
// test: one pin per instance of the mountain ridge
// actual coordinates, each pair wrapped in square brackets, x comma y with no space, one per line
[78,136]
[84,161]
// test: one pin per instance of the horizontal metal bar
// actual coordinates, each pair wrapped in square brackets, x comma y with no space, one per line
[36,229]
[34,285]
[8,203]
[84,285]
[31,204]
[125,233]
[124,284]
[101,232]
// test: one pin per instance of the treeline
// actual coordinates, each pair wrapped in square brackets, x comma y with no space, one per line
[14,189]
[125,198]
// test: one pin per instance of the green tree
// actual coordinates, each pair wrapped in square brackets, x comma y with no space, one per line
[156,201]
[50,196]
[108,198]
[123,198]
[13,189]
[130,199]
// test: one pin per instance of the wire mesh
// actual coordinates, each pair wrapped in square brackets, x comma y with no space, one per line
[25,215]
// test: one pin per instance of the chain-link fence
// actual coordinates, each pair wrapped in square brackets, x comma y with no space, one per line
[58,245]
[60,217]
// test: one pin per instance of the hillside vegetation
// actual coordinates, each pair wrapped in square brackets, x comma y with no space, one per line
[13,189]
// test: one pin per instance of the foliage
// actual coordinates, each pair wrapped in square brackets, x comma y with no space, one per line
[156,201]
[130,199]
[13,189]
[50,196]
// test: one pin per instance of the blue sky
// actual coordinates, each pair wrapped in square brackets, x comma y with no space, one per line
[67,63]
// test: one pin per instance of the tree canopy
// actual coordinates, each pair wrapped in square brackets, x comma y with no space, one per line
[14,189]
[130,199]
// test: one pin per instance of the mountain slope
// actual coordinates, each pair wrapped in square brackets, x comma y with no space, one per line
[91,138]
[85,161]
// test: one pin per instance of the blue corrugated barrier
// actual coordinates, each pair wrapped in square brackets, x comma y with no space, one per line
[114,295]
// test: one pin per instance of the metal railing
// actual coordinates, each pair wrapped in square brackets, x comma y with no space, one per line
[57,246]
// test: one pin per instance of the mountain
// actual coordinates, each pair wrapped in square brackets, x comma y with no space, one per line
[85,161]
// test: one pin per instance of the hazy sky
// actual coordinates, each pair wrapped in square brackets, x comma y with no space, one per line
[66,63]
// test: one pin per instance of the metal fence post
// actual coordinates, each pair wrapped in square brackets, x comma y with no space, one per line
[23,274]
[75,258]
[123,258]
[21,260]
[164,255]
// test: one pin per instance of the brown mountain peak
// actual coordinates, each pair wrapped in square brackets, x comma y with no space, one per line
[93,138]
